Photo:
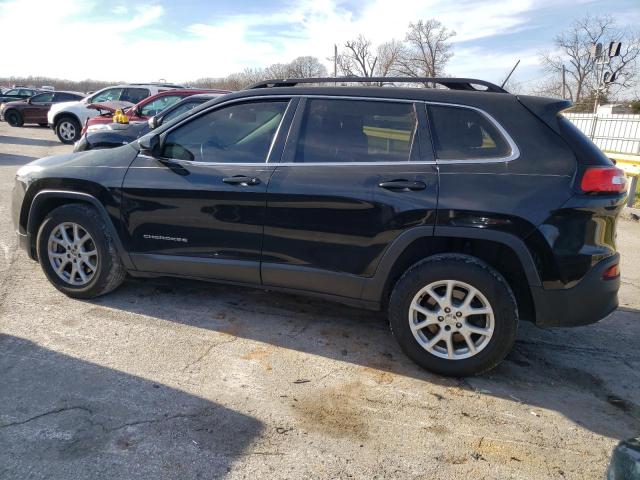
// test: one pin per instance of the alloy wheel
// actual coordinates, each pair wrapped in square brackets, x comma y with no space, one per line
[73,254]
[67,130]
[451,319]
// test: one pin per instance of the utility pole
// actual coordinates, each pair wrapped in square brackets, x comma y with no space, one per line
[335,60]
[564,82]
[602,56]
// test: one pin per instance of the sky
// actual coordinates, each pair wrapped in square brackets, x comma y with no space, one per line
[181,40]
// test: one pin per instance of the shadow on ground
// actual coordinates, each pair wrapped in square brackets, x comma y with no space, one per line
[566,370]
[10,160]
[38,142]
[61,417]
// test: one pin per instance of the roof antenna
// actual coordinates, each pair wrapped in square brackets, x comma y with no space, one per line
[510,73]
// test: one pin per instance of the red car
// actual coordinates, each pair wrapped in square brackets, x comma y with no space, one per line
[144,109]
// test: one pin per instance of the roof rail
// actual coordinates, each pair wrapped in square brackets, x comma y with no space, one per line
[451,83]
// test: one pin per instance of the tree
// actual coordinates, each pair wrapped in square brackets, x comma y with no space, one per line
[278,70]
[389,54]
[427,50]
[582,72]
[357,59]
[307,67]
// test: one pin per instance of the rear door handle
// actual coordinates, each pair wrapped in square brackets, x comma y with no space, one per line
[402,185]
[241,180]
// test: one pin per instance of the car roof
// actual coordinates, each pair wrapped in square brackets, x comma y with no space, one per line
[187,92]
[205,95]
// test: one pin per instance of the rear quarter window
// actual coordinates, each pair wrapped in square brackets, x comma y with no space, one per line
[461,133]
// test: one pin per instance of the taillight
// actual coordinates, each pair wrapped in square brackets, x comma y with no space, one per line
[612,272]
[603,180]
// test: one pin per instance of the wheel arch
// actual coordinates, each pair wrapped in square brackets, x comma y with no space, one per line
[47,200]
[503,251]
[66,113]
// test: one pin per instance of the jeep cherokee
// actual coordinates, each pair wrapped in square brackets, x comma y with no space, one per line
[460,210]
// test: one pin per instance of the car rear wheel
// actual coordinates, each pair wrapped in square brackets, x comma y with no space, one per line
[77,254]
[13,118]
[68,130]
[454,315]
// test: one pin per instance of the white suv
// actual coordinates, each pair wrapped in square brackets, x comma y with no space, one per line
[67,118]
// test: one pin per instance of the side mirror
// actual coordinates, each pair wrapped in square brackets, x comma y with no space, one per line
[29,100]
[150,145]
[153,122]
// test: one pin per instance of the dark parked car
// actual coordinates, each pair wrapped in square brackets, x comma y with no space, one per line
[461,211]
[19,93]
[34,109]
[112,135]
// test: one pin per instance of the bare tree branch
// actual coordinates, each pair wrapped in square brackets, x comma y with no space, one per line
[357,59]
[427,50]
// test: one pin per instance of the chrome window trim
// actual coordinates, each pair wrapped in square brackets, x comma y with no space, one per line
[515,151]
[204,112]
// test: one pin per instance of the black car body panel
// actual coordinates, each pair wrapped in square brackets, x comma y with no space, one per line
[346,230]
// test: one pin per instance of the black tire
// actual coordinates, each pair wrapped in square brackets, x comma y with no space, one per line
[109,273]
[14,118]
[44,125]
[474,272]
[68,129]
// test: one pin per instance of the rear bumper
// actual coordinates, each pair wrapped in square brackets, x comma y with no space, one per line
[591,300]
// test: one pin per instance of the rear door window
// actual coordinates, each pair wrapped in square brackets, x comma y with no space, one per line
[134,95]
[343,131]
[42,98]
[107,95]
[461,133]
[66,97]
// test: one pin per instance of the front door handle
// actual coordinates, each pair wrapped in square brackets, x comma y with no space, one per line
[241,180]
[402,185]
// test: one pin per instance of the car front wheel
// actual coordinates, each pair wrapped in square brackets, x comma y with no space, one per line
[68,130]
[77,253]
[454,315]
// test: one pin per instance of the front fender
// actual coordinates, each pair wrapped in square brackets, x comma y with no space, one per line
[41,205]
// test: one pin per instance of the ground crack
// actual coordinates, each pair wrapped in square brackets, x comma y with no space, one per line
[207,351]
[160,420]
[51,412]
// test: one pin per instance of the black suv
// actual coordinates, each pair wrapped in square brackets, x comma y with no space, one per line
[461,210]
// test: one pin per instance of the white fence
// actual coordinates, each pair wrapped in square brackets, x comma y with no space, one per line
[612,133]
